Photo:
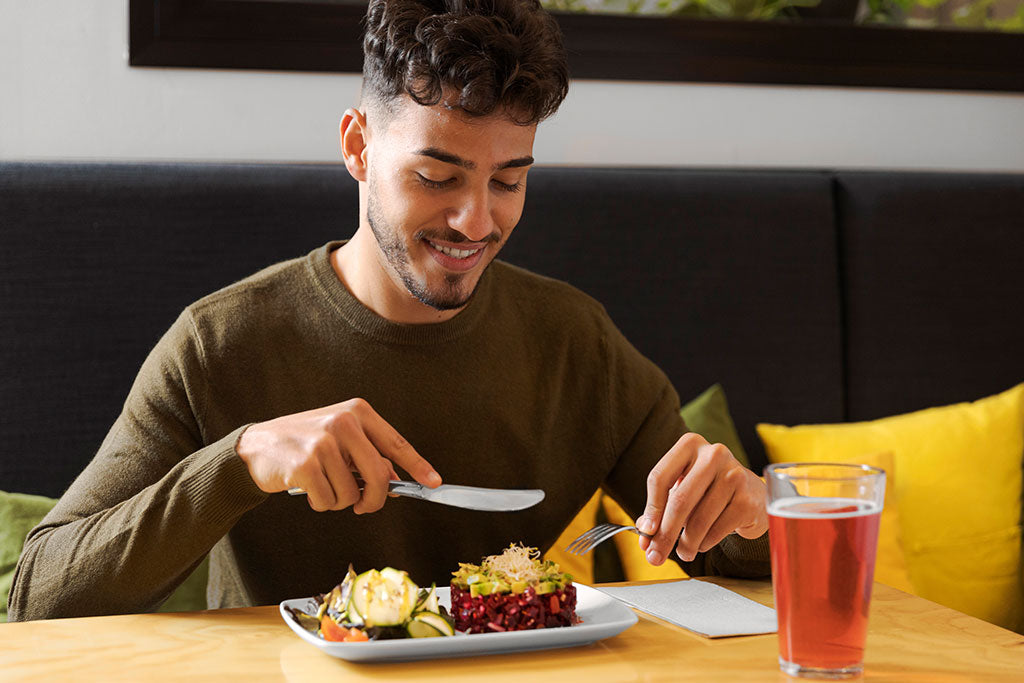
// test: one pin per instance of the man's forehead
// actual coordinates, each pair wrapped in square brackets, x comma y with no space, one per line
[445,117]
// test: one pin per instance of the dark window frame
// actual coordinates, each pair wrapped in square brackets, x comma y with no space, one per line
[307,36]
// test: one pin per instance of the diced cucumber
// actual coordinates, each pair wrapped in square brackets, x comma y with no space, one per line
[488,587]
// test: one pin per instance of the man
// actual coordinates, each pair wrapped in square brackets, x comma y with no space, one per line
[407,348]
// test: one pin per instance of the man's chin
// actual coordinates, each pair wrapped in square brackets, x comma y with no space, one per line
[443,301]
[453,293]
[444,305]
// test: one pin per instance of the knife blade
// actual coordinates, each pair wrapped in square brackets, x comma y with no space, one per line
[469,497]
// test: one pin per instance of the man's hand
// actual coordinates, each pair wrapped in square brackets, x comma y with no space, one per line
[702,491]
[322,450]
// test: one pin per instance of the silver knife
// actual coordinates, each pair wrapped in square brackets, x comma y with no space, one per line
[470,497]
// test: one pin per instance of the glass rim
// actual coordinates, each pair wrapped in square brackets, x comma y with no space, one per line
[858,471]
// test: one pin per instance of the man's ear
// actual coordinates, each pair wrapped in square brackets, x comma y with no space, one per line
[354,139]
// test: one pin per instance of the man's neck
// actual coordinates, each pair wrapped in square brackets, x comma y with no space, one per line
[362,271]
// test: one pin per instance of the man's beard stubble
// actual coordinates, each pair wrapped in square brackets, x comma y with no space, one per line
[397,255]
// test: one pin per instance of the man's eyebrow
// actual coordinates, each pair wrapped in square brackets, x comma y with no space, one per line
[515,163]
[446,157]
[449,158]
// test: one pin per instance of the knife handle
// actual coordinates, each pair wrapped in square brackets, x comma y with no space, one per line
[400,488]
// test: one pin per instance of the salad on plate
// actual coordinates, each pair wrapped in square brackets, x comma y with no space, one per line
[513,591]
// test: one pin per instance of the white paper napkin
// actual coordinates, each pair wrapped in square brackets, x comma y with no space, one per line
[699,606]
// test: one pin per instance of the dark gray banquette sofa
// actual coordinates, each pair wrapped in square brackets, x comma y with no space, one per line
[810,295]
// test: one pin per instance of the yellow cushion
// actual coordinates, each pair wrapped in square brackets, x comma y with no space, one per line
[890,565]
[580,566]
[634,564]
[958,490]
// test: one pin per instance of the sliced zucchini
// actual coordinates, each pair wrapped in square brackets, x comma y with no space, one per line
[361,592]
[429,601]
[393,575]
[417,628]
[352,616]
[435,620]
[405,587]
[384,598]
[411,592]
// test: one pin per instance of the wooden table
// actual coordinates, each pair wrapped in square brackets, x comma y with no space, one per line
[910,640]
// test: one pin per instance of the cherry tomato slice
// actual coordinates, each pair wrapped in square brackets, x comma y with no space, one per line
[330,630]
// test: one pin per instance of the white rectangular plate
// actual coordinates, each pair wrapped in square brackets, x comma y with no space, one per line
[602,617]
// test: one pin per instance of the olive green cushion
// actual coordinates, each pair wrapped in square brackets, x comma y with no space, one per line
[20,512]
[708,415]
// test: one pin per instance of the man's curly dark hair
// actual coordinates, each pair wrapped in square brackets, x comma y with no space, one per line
[479,56]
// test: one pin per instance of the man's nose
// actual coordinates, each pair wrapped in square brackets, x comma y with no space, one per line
[472,217]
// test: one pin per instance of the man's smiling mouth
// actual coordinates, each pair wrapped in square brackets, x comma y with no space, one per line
[453,252]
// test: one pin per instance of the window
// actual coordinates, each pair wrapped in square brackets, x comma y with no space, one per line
[325,36]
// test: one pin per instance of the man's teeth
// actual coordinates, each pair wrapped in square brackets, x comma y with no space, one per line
[454,253]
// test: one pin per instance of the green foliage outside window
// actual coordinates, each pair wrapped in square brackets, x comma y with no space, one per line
[972,14]
[724,9]
[992,15]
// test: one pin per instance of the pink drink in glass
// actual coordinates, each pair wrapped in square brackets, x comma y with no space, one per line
[823,561]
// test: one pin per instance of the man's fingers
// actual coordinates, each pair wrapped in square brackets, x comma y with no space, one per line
[746,514]
[723,526]
[701,520]
[683,499]
[374,470]
[393,446]
[392,476]
[645,543]
[317,450]
[338,474]
[310,476]
[658,483]
[672,466]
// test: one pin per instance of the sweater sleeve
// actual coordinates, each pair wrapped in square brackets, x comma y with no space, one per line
[156,497]
[644,423]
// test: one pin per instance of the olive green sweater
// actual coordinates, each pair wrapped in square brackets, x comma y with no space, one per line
[531,386]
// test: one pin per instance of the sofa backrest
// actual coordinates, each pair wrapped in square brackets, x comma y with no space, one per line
[96,262]
[811,296]
[933,271]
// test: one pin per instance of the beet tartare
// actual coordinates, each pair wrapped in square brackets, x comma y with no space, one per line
[514,591]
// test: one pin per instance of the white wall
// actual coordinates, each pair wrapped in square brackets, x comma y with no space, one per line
[66,92]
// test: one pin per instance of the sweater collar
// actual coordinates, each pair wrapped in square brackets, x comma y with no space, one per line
[372,325]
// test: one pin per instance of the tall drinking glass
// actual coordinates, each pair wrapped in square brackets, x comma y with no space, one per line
[823,525]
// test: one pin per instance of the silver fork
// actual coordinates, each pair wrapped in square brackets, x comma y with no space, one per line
[589,540]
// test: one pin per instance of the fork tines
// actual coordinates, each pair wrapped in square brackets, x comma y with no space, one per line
[588,540]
